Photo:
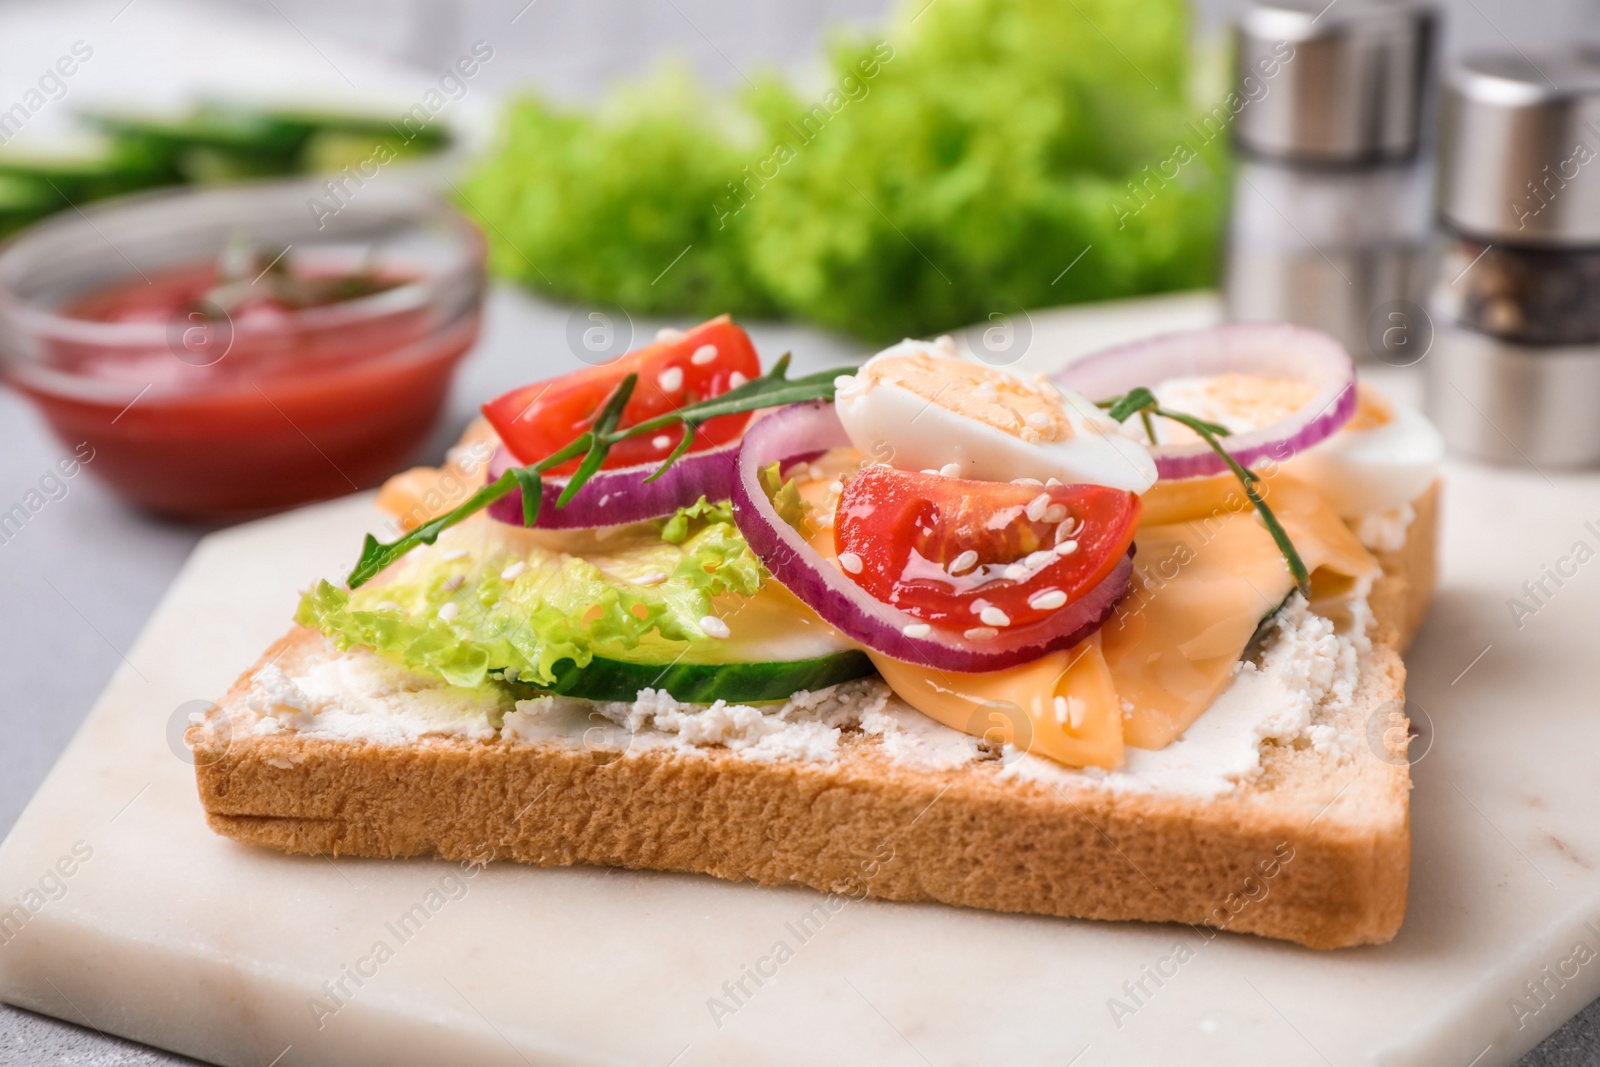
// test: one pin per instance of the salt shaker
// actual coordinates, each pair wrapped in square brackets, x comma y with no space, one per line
[1514,375]
[1331,218]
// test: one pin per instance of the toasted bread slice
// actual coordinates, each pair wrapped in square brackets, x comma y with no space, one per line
[1315,849]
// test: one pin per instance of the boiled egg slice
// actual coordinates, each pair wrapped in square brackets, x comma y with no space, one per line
[917,406]
[1383,458]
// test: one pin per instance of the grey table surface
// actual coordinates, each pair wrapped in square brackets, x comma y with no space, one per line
[80,579]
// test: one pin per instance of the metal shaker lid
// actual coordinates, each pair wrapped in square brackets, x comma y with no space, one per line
[1520,148]
[1332,83]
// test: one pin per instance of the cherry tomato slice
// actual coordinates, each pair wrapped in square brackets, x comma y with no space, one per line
[967,554]
[537,420]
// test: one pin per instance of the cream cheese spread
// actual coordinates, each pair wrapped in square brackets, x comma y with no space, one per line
[1306,671]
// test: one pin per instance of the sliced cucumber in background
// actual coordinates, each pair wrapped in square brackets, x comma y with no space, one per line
[703,683]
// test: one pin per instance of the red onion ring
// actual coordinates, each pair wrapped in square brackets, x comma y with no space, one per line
[802,428]
[1273,350]
[614,497]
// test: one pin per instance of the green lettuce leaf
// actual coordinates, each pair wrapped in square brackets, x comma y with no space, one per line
[951,172]
[791,507]
[617,204]
[676,529]
[572,598]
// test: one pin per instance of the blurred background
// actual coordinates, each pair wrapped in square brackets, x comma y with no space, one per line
[838,173]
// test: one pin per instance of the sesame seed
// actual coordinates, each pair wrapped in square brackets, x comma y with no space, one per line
[1056,513]
[1047,600]
[449,611]
[715,627]
[1016,572]
[453,555]
[917,629]
[511,674]
[454,583]
[964,562]
[994,617]
[835,487]
[1050,483]
[1066,548]
[1037,507]
[660,441]
[981,633]
[1039,420]
[1026,481]
[930,470]
[951,470]
[653,578]
[736,379]
[987,391]
[667,335]
[703,355]
[513,572]
[1064,531]
[850,562]
[670,380]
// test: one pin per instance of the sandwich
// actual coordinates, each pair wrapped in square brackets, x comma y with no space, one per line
[1119,643]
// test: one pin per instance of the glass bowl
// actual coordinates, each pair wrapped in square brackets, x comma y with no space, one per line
[197,406]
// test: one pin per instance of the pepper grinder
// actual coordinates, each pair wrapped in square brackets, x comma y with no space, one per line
[1331,216]
[1514,375]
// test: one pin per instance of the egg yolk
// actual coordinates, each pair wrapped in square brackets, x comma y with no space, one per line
[1241,402]
[1029,413]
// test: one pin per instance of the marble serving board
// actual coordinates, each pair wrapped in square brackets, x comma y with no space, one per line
[131,917]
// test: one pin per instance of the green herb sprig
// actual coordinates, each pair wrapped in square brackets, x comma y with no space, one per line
[1142,402]
[772,389]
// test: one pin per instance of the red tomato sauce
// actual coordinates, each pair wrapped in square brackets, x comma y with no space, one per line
[252,412]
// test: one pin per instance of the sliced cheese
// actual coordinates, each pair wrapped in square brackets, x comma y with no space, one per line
[1062,705]
[1203,581]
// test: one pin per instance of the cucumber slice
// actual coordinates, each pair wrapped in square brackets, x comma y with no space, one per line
[63,177]
[702,683]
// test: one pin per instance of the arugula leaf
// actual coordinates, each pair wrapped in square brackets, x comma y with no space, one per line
[532,488]
[605,423]
[1136,399]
